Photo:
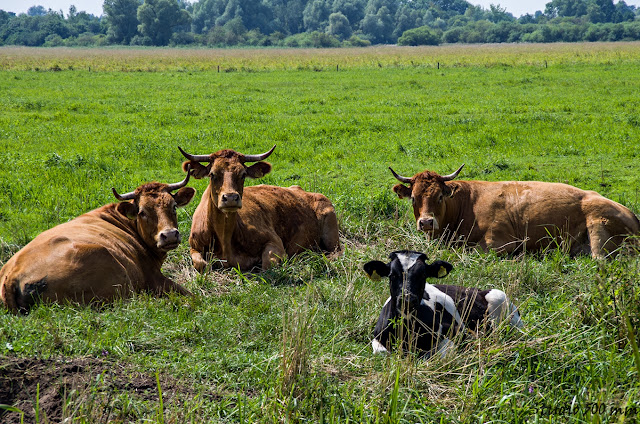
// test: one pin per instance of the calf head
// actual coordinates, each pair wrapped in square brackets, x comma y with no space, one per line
[153,208]
[227,172]
[408,272]
[428,192]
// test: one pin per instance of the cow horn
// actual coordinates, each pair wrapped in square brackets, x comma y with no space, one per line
[258,158]
[452,176]
[175,186]
[195,158]
[400,177]
[126,196]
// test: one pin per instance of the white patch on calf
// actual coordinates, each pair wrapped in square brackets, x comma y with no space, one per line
[377,347]
[445,346]
[436,296]
[500,308]
[497,305]
[516,321]
[407,260]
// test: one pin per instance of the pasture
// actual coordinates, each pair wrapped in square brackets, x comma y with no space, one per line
[292,344]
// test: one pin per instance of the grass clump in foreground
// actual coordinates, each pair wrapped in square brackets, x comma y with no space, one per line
[292,344]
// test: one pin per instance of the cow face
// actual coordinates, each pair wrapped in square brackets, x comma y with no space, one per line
[428,193]
[227,172]
[408,272]
[153,208]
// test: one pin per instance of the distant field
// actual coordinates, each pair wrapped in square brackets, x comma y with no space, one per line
[291,345]
[205,59]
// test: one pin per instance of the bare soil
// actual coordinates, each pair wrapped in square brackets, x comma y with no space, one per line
[64,388]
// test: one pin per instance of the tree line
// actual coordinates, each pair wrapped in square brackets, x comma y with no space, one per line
[317,23]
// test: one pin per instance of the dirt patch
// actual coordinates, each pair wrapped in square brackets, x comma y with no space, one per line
[88,387]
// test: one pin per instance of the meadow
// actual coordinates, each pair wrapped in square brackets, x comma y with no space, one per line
[292,344]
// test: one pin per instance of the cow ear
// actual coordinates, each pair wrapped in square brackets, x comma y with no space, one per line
[402,191]
[258,169]
[439,269]
[198,171]
[184,196]
[451,189]
[128,209]
[376,270]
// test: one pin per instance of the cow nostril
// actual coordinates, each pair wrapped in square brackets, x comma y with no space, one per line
[230,197]
[426,224]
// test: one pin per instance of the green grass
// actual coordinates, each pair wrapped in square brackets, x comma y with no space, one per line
[292,344]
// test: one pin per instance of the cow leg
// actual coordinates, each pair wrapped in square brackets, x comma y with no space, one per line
[163,285]
[600,240]
[330,236]
[272,254]
[604,235]
[198,261]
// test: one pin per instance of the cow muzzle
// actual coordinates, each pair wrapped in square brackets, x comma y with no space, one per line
[427,224]
[407,303]
[168,239]
[230,202]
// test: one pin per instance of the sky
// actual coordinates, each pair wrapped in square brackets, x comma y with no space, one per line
[516,7]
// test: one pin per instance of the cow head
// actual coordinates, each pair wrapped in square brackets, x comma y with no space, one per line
[408,272]
[153,208]
[227,172]
[428,192]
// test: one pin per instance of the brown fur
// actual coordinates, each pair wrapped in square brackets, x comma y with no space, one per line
[255,226]
[514,215]
[106,253]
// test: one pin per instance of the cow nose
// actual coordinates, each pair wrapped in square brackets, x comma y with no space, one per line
[425,224]
[230,197]
[408,302]
[169,237]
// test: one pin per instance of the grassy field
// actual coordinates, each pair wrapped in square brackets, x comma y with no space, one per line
[292,344]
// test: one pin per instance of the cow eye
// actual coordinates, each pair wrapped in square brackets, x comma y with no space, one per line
[142,214]
[413,200]
[440,197]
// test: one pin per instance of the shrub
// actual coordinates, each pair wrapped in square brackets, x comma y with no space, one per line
[355,41]
[420,36]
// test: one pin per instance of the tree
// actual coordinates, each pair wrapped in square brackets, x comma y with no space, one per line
[352,9]
[122,21]
[36,11]
[378,22]
[339,26]
[566,8]
[158,19]
[499,14]
[316,15]
[623,12]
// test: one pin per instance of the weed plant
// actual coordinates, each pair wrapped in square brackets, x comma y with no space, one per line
[293,344]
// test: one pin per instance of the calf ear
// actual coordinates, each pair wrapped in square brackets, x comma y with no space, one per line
[376,270]
[258,169]
[402,191]
[128,209]
[184,196]
[439,269]
[198,171]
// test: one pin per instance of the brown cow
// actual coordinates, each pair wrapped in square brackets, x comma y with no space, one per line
[106,253]
[511,216]
[254,226]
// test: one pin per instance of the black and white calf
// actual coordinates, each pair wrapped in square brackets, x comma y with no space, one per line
[422,317]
